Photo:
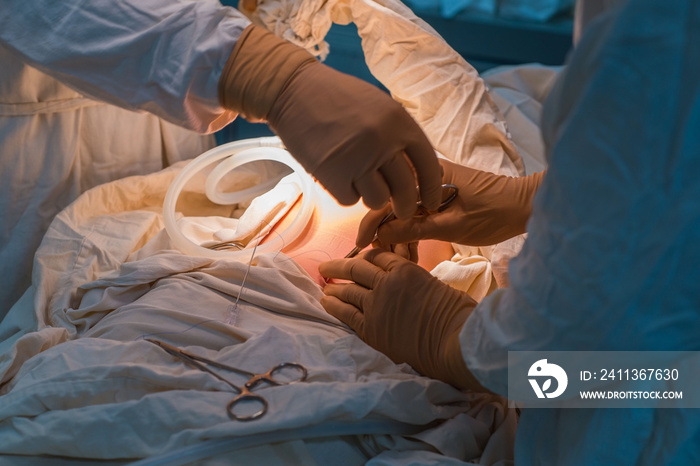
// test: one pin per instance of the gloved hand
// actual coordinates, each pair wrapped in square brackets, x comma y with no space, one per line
[355,139]
[489,209]
[249,5]
[401,310]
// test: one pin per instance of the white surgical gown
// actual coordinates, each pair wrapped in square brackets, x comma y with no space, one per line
[75,83]
[611,259]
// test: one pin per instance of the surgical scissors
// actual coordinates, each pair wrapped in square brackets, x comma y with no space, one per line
[452,190]
[244,392]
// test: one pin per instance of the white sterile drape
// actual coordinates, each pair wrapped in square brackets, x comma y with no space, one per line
[78,379]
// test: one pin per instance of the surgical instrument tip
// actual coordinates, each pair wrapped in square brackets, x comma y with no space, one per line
[452,191]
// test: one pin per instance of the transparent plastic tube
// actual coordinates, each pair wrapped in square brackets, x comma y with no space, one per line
[233,155]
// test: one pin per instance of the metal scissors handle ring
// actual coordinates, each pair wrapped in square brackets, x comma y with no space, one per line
[273,375]
[270,377]
[453,193]
[246,395]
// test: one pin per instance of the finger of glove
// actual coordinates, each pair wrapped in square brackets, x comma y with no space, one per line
[402,185]
[346,313]
[407,251]
[413,252]
[357,270]
[369,224]
[350,293]
[373,189]
[249,5]
[401,250]
[383,260]
[340,187]
[428,170]
[413,229]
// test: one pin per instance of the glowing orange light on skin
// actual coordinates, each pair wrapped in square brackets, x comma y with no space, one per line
[331,235]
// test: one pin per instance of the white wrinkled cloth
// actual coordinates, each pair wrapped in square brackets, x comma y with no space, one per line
[60,63]
[471,274]
[520,91]
[610,262]
[77,378]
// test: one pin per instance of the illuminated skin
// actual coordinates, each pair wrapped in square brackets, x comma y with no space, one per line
[331,234]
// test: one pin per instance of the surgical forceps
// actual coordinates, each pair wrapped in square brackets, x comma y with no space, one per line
[452,192]
[244,392]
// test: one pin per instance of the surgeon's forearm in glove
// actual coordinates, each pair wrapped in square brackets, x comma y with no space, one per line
[489,209]
[355,139]
[398,308]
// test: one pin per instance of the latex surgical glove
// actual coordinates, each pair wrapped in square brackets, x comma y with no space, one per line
[351,136]
[489,209]
[248,5]
[408,251]
[398,308]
